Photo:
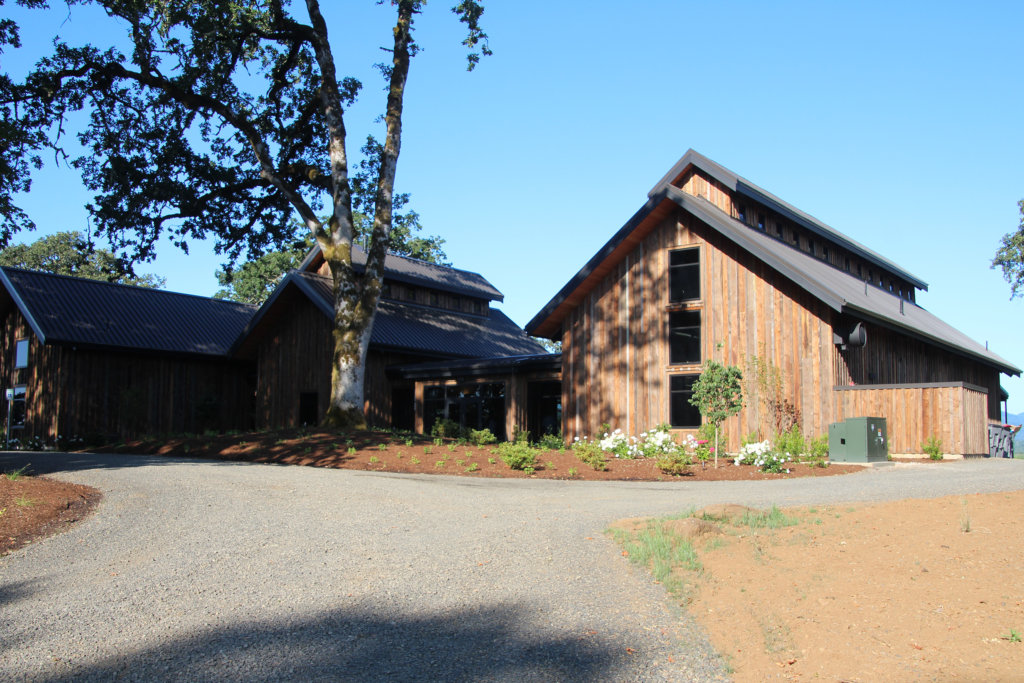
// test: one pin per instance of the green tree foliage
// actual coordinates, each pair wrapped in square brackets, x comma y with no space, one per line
[1010,256]
[22,137]
[718,394]
[69,253]
[404,226]
[255,280]
[224,119]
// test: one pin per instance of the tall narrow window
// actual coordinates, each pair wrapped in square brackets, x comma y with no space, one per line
[18,412]
[681,412]
[760,221]
[684,337]
[684,275]
[21,353]
[741,213]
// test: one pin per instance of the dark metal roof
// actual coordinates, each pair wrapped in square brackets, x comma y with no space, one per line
[89,313]
[476,367]
[413,328]
[839,290]
[746,188]
[415,272]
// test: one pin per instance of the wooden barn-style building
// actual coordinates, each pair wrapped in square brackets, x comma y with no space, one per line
[97,361]
[438,350]
[714,267]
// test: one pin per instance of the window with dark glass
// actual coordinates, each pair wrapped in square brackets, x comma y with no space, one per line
[741,213]
[681,413]
[17,408]
[471,406]
[684,337]
[21,353]
[684,274]
[433,299]
[760,221]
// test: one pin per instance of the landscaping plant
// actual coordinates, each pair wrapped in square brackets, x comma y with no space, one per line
[718,394]
[932,447]
[518,455]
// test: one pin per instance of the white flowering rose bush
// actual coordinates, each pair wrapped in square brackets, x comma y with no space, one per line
[762,456]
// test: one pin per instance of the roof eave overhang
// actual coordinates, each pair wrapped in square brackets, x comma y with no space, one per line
[479,367]
[741,235]
[868,316]
[22,307]
[548,321]
[751,191]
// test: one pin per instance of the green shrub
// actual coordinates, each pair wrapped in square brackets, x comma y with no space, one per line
[932,447]
[552,442]
[445,429]
[481,437]
[819,447]
[591,454]
[791,442]
[517,455]
[674,463]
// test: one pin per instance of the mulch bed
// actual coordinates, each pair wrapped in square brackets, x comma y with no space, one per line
[35,507]
[387,452]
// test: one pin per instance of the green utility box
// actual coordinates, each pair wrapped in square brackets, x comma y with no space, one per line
[858,439]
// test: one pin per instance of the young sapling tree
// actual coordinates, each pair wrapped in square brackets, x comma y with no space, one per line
[718,394]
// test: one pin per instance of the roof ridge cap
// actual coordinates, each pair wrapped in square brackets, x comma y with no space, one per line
[121,285]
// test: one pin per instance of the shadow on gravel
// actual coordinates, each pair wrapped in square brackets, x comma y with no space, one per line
[48,462]
[470,645]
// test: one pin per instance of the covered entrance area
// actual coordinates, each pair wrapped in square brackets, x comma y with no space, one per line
[507,395]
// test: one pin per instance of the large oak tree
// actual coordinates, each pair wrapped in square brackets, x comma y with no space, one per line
[224,119]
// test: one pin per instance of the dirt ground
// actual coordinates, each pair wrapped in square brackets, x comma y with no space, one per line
[385,452]
[906,591]
[35,507]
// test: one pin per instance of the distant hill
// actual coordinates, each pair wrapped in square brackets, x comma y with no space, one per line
[1018,442]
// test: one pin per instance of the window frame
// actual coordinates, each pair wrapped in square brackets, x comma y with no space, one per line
[673,360]
[18,405]
[673,393]
[20,344]
[695,248]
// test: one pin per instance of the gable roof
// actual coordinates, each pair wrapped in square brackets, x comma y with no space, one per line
[416,272]
[75,311]
[745,188]
[841,291]
[410,327]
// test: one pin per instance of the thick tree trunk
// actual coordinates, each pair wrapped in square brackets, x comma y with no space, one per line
[355,295]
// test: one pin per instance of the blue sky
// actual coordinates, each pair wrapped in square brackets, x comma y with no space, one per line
[898,124]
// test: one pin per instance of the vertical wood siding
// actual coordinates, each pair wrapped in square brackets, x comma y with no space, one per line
[104,394]
[294,357]
[893,358]
[954,413]
[616,354]
[615,344]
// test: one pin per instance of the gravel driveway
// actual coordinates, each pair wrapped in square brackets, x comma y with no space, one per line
[205,570]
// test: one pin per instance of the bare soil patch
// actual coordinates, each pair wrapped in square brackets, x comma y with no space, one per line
[36,507]
[386,452]
[910,590]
